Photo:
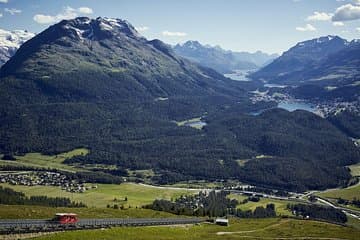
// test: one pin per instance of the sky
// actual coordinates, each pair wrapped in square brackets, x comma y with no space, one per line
[272,26]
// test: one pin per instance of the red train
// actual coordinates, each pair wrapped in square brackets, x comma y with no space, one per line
[66,218]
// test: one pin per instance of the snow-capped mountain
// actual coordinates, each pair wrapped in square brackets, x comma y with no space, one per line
[10,41]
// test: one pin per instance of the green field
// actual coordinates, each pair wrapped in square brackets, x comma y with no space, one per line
[137,195]
[192,122]
[39,160]
[347,193]
[280,205]
[39,212]
[238,229]
[355,169]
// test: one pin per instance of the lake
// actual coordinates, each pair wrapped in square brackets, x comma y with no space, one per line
[295,105]
[290,106]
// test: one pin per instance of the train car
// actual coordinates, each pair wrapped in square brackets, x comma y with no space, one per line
[66,218]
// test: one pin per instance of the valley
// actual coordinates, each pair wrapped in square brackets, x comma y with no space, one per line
[111,134]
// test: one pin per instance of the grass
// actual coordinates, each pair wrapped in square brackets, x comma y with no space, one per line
[280,205]
[40,161]
[137,195]
[191,123]
[355,170]
[39,212]
[348,193]
[238,229]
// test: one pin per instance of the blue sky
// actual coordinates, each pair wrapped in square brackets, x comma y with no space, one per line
[241,25]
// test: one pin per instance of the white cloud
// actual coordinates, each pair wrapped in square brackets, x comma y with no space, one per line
[142,28]
[85,10]
[358,29]
[338,24]
[174,34]
[308,28]
[1,15]
[67,13]
[3,1]
[357,2]
[12,11]
[319,16]
[346,12]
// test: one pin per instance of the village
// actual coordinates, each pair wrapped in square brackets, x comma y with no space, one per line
[44,178]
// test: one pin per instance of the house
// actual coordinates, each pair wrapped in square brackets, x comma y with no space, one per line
[222,221]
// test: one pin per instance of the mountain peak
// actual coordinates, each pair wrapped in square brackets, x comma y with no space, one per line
[97,29]
[10,41]
[322,40]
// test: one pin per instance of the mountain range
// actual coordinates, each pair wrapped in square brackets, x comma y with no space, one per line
[223,61]
[99,84]
[10,41]
[323,68]
[318,61]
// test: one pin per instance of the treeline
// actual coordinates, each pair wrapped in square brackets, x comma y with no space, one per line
[318,212]
[11,197]
[214,204]
[259,212]
[305,151]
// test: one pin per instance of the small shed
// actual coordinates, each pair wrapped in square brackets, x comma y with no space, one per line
[222,221]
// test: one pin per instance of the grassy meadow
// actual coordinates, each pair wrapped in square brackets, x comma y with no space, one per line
[280,205]
[239,229]
[39,160]
[137,195]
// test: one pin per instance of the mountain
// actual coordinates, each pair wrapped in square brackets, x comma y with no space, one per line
[98,84]
[219,59]
[111,49]
[310,61]
[328,66]
[10,42]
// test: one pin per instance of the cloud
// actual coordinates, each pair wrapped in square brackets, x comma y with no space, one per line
[12,11]
[319,16]
[3,1]
[142,28]
[1,15]
[308,28]
[358,29]
[357,2]
[174,34]
[85,10]
[67,13]
[346,12]
[338,24]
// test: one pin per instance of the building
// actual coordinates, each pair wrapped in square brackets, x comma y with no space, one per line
[222,221]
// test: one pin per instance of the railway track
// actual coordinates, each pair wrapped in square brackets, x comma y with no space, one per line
[35,225]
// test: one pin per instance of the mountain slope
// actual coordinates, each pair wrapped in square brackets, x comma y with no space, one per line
[219,59]
[110,49]
[300,59]
[98,84]
[10,42]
